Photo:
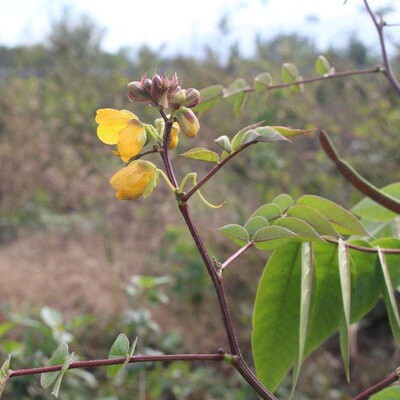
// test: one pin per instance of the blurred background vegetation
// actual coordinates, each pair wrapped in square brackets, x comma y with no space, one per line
[79,266]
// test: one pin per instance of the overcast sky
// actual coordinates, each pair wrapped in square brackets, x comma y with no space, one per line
[184,26]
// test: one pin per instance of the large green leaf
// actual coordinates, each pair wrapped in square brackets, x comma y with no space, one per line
[276,310]
[345,284]
[371,210]
[388,296]
[342,220]
[392,260]
[276,316]
[307,262]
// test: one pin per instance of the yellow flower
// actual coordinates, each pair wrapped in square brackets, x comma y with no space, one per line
[174,136]
[122,128]
[137,179]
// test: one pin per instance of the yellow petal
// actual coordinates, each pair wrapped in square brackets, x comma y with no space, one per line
[131,140]
[109,116]
[174,136]
[132,181]
[112,123]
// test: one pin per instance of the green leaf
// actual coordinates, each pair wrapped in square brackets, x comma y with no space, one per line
[4,371]
[268,211]
[255,223]
[322,65]
[58,358]
[366,280]
[210,96]
[235,89]
[202,154]
[238,138]
[272,237]
[262,81]
[236,233]
[277,307]
[390,393]
[269,134]
[51,317]
[5,327]
[303,231]
[276,316]
[313,218]
[291,132]
[284,201]
[342,220]
[224,143]
[120,348]
[388,296]
[65,366]
[392,260]
[289,73]
[305,304]
[371,210]
[344,275]
[236,94]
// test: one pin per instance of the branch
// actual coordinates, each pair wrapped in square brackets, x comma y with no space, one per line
[379,386]
[186,196]
[120,360]
[379,25]
[355,179]
[234,256]
[324,78]
[362,248]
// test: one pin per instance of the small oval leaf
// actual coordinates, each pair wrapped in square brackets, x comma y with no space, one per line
[284,201]
[322,65]
[255,223]
[262,81]
[236,233]
[272,237]
[268,211]
[202,154]
[120,348]
[58,358]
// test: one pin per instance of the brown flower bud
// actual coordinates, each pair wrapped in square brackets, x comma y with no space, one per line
[136,92]
[156,88]
[192,98]
[188,122]
[177,99]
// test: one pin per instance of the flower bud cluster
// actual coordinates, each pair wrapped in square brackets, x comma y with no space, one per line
[163,92]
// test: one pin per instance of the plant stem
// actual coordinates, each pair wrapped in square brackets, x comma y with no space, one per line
[387,69]
[234,256]
[364,249]
[216,277]
[186,196]
[378,387]
[120,360]
[355,179]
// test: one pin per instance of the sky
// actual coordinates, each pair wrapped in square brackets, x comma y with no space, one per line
[184,26]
